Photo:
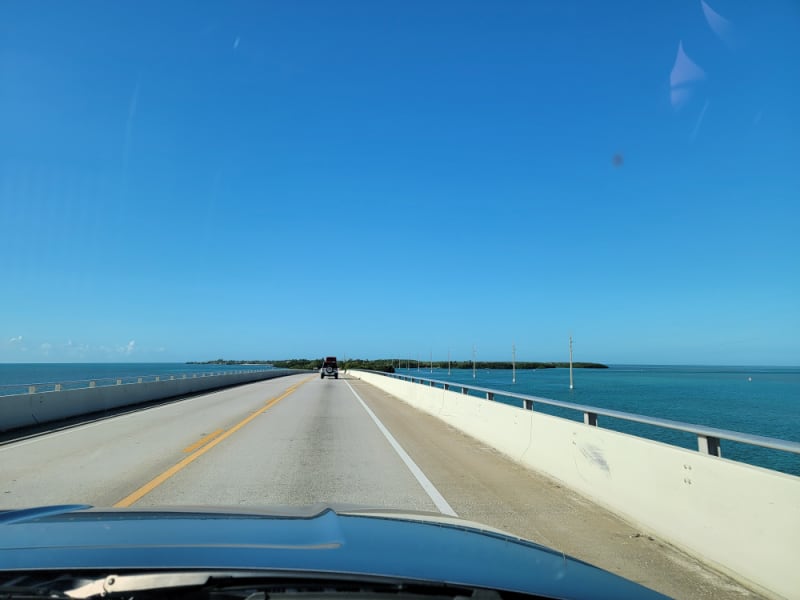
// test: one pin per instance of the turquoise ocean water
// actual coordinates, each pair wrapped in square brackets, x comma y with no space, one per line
[756,400]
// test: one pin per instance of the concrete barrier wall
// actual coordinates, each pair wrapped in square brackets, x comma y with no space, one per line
[33,409]
[741,519]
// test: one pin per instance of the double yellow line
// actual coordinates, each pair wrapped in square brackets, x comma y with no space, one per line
[201,447]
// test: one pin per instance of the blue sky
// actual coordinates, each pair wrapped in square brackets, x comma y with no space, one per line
[183,181]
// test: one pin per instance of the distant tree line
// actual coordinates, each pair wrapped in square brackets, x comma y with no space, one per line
[222,361]
[298,363]
[388,365]
[351,363]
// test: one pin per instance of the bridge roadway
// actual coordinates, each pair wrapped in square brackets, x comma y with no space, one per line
[300,440]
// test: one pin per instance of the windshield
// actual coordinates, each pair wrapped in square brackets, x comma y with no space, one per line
[592,203]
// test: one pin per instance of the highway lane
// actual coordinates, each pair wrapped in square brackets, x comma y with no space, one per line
[317,445]
[103,461]
[300,440]
[289,441]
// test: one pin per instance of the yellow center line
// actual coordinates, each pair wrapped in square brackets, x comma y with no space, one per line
[202,441]
[157,481]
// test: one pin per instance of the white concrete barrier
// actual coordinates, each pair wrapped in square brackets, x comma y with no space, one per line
[742,520]
[15,411]
[24,410]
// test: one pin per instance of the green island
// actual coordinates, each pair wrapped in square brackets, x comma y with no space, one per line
[223,361]
[390,365]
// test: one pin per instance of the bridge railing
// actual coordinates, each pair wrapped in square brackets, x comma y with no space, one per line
[708,438]
[12,389]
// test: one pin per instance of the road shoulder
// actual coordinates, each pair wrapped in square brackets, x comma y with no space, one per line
[485,486]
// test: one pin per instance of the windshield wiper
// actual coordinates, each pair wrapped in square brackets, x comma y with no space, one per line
[238,585]
[125,584]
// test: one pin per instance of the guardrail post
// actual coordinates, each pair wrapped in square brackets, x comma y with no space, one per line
[431,383]
[590,418]
[171,377]
[708,444]
[119,381]
[31,389]
[464,390]
[489,396]
[158,377]
[58,387]
[140,380]
[527,404]
[92,384]
[446,386]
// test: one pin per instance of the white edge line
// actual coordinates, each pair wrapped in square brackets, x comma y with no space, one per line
[430,489]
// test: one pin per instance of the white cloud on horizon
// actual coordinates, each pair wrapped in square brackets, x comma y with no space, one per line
[15,339]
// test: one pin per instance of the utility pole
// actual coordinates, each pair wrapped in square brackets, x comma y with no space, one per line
[431,361]
[473,361]
[448,362]
[571,386]
[513,363]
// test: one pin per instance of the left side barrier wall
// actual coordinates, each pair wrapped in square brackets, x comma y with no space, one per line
[24,410]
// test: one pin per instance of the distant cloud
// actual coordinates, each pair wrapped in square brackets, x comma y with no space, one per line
[236,42]
[130,347]
[76,350]
[15,339]
[45,348]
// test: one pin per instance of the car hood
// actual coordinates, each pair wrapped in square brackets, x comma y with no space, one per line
[331,539]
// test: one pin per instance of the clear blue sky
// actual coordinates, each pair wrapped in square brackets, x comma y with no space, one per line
[187,181]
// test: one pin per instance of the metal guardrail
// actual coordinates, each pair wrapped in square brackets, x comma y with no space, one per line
[708,438]
[11,389]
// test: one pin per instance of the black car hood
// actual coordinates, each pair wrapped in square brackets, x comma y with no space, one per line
[318,539]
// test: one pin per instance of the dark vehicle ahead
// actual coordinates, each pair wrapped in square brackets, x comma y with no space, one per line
[310,553]
[330,368]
